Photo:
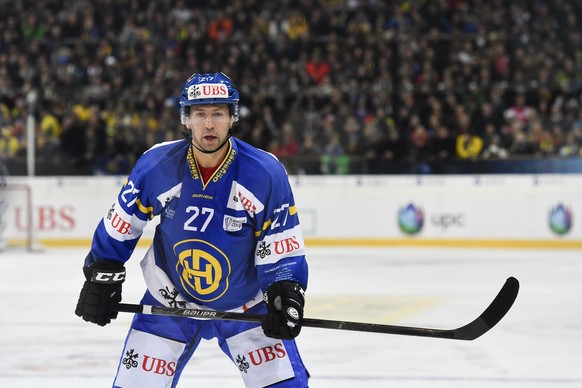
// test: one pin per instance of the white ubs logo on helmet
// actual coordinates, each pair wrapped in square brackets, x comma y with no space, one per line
[207,91]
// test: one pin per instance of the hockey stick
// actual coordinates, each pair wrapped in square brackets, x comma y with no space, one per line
[489,318]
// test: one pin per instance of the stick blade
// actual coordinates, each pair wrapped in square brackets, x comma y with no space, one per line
[492,315]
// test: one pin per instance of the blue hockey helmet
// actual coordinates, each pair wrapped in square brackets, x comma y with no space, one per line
[211,88]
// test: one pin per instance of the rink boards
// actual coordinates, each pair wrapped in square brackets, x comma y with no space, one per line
[505,211]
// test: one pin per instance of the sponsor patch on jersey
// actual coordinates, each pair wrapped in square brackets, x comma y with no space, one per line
[242,199]
[261,360]
[274,247]
[122,226]
[233,224]
[167,196]
[207,91]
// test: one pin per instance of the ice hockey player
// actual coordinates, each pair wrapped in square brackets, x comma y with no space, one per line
[228,239]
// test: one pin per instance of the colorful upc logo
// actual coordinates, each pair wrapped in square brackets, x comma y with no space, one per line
[410,219]
[560,219]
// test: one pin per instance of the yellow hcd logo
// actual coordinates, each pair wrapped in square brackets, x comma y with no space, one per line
[203,268]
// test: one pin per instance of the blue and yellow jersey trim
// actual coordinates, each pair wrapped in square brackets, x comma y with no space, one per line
[220,170]
[267,224]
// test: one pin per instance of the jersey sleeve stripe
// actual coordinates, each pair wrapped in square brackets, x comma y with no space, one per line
[149,210]
[265,226]
[292,212]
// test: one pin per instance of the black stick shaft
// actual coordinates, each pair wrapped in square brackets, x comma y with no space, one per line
[489,318]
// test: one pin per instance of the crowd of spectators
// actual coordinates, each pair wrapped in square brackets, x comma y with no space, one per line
[322,79]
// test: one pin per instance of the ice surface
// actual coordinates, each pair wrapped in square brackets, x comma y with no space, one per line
[538,344]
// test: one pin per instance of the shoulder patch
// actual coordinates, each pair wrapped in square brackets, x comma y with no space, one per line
[242,199]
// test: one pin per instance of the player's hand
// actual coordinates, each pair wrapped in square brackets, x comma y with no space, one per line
[285,301]
[101,292]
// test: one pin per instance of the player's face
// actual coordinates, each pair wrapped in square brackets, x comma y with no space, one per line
[210,125]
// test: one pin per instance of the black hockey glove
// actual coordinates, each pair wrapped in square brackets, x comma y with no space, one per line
[101,292]
[285,301]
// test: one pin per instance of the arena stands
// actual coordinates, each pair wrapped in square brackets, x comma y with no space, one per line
[331,86]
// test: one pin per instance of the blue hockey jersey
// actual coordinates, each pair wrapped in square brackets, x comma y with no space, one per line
[218,244]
